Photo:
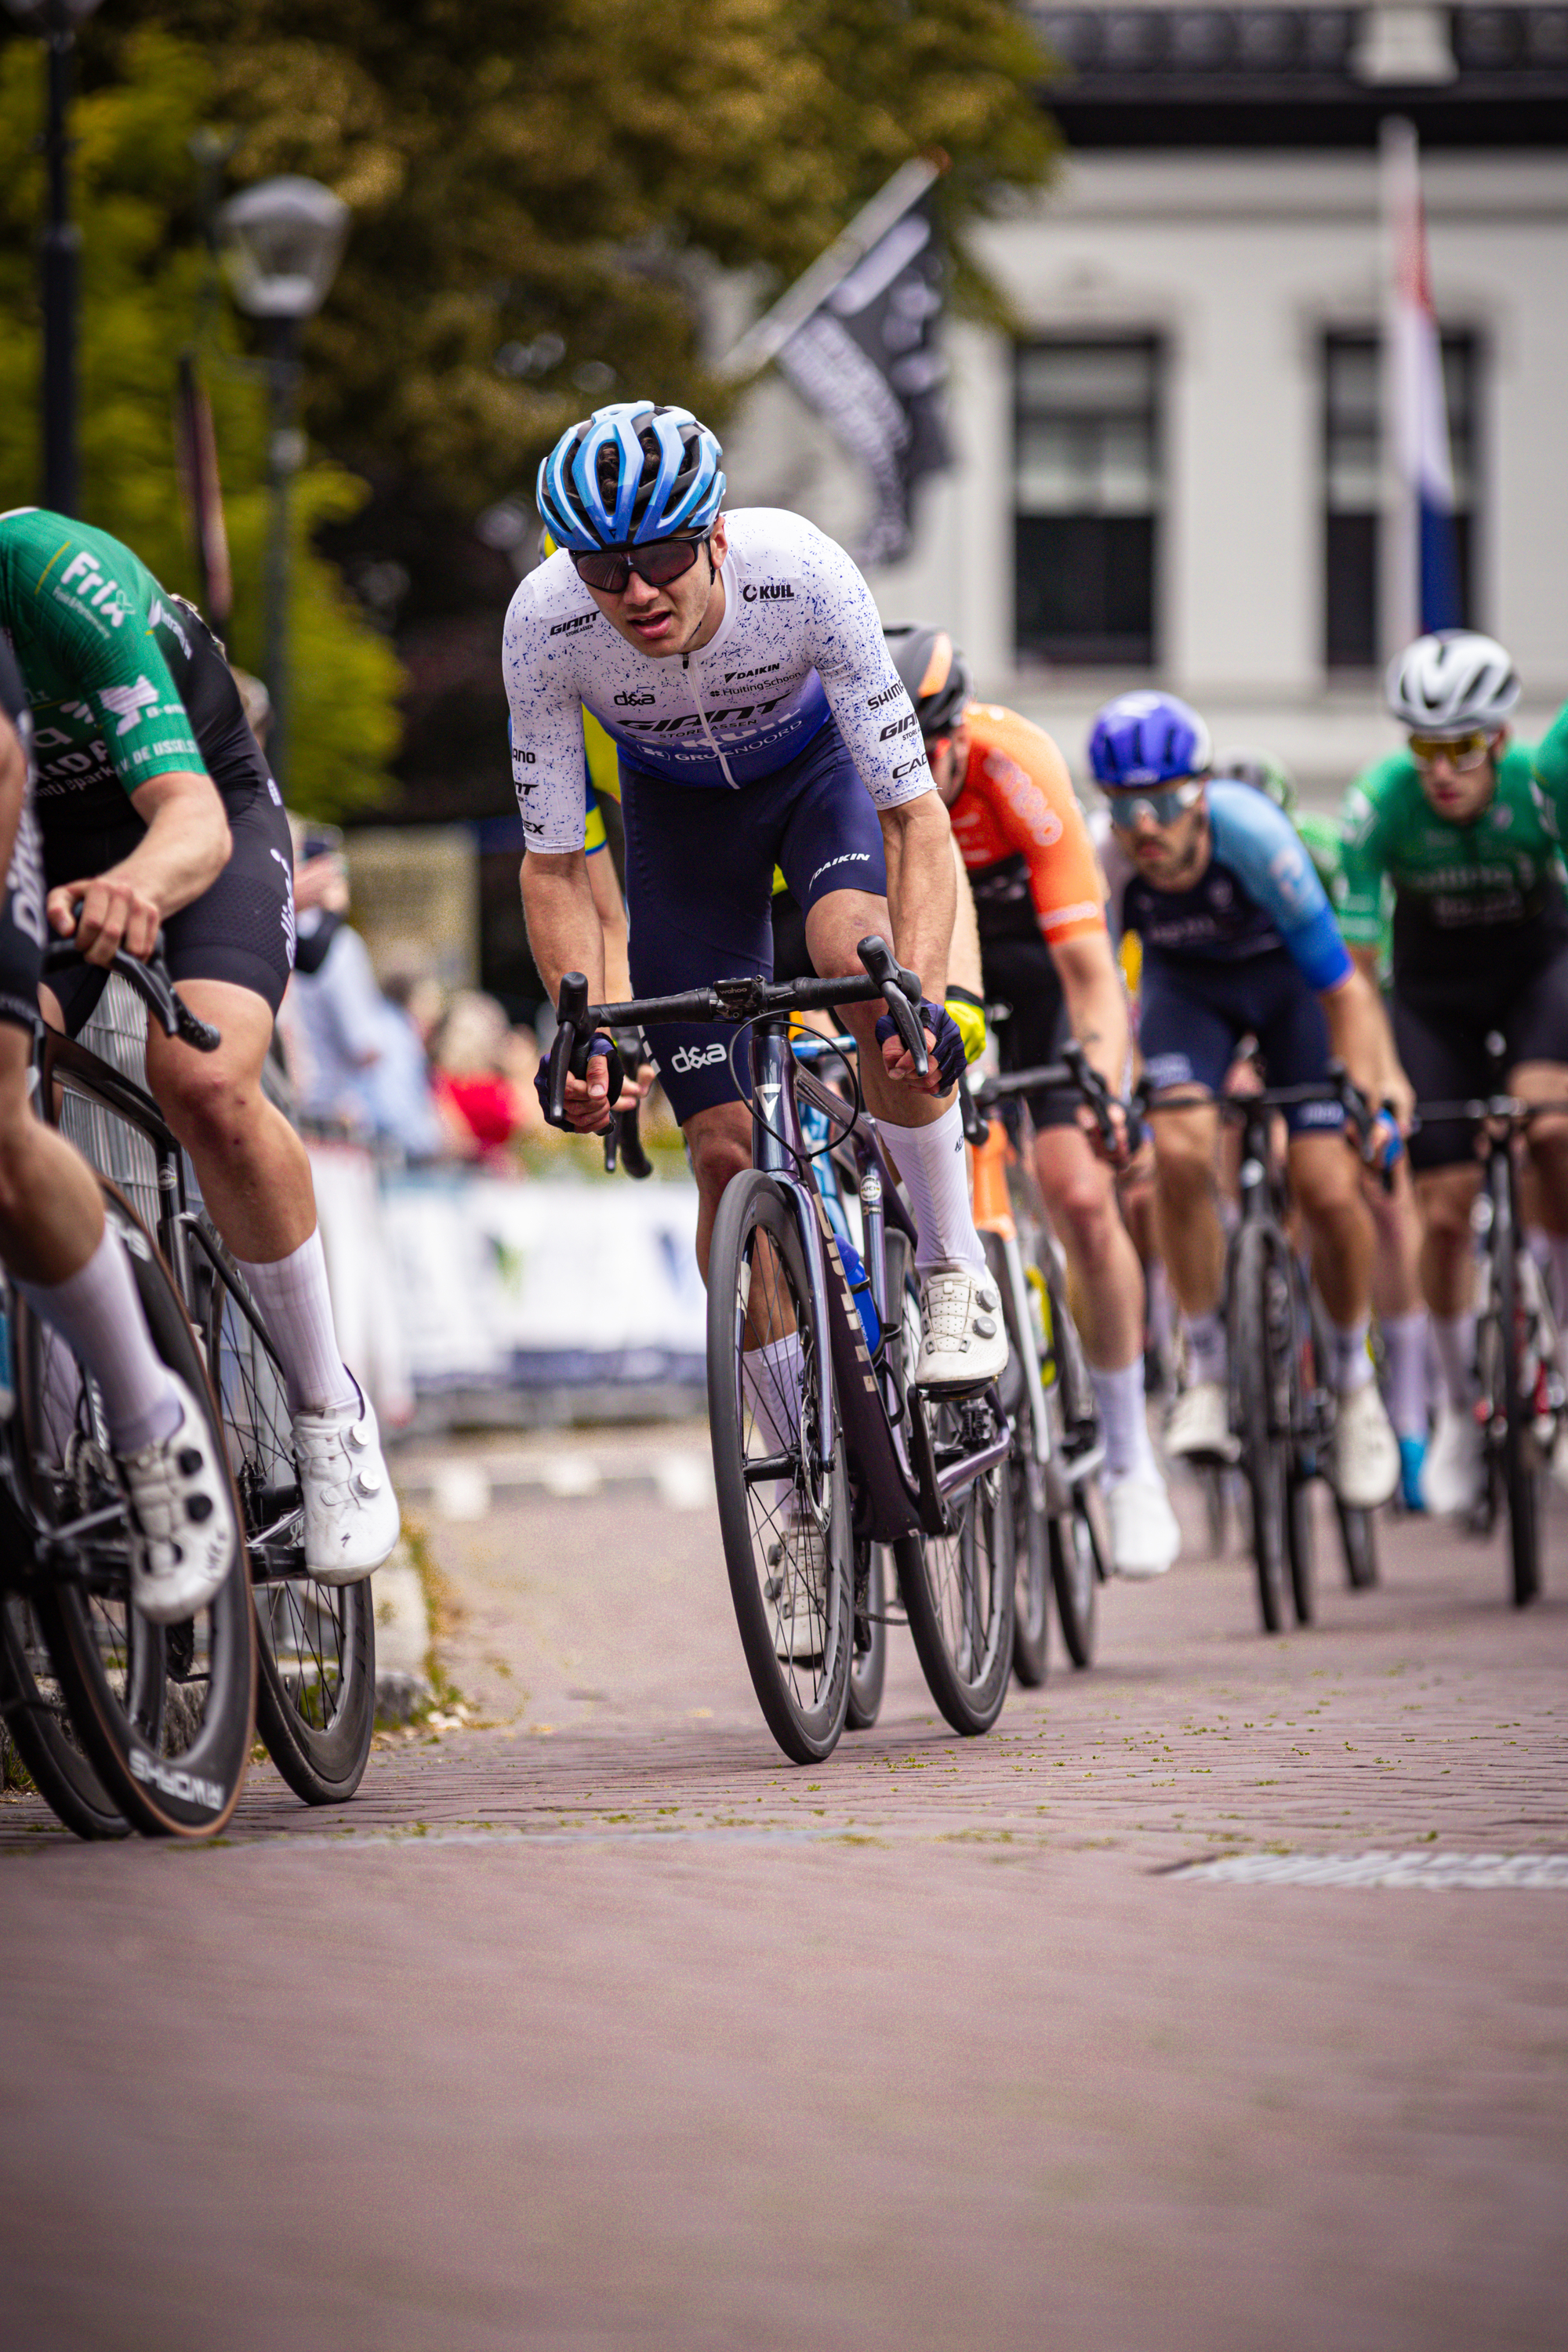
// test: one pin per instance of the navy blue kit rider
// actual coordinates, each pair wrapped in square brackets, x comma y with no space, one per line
[1238,940]
[738,663]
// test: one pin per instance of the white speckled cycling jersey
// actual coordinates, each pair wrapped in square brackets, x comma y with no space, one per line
[801,639]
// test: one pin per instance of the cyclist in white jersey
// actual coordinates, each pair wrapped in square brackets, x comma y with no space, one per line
[739,662]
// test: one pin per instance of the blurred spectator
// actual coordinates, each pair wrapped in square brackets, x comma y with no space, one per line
[397,1089]
[475,1073]
[332,1015]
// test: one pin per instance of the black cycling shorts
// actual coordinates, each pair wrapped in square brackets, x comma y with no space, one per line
[24,931]
[1194,1013]
[1021,974]
[699,878]
[242,928]
[1441,1034]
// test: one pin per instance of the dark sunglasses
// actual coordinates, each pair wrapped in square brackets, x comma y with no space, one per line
[1127,805]
[659,562]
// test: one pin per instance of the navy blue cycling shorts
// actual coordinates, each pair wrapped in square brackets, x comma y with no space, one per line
[1193,1014]
[699,879]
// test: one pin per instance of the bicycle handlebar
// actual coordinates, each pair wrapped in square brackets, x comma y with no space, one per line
[1076,1070]
[1337,1087]
[153,986]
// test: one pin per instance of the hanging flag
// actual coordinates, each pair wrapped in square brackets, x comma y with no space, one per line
[860,338]
[195,454]
[1423,574]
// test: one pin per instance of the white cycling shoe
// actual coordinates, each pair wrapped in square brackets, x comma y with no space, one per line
[1454,1471]
[352,1519]
[1198,1429]
[963,1340]
[797,1587]
[181,1505]
[1144,1536]
[1363,1465]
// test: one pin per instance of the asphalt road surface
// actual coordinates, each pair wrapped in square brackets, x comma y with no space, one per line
[594,2024]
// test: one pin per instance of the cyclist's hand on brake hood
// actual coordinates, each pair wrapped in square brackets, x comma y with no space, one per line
[103,914]
[587,1098]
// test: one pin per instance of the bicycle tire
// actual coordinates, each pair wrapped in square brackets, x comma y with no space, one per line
[1358,1540]
[1254,1303]
[315,1643]
[868,1664]
[1074,1542]
[172,1761]
[1520,1470]
[1077,1571]
[1299,1547]
[1031,1547]
[805,1710]
[1211,1479]
[38,1720]
[958,1589]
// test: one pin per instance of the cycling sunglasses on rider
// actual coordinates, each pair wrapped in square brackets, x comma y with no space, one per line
[1463,753]
[661,561]
[1128,803]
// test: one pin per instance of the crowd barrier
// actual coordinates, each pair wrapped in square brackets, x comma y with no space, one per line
[453,1287]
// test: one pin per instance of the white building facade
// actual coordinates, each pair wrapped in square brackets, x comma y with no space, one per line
[1172,472]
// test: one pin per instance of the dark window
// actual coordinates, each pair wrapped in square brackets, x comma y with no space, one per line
[1352,463]
[1086,501]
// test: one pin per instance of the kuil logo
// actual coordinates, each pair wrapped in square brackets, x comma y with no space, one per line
[769,590]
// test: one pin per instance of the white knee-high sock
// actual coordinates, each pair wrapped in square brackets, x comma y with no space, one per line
[770,1377]
[297,1309]
[1405,1346]
[936,1177]
[1453,1339]
[98,1314]
[1123,1419]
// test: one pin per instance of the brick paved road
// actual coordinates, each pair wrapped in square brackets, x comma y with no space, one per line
[601,2026]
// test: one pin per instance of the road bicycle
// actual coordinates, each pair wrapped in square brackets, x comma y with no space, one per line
[827,1450]
[1060,1539]
[1519,1392]
[121,1723]
[1281,1411]
[315,1701]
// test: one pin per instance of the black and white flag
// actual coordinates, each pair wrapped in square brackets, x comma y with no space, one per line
[860,338]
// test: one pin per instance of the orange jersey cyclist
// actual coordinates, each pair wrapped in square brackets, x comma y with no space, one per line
[738,662]
[1039,899]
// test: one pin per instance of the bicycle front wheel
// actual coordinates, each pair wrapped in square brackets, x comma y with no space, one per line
[315,1684]
[868,1668]
[39,1722]
[784,1509]
[1520,1463]
[1358,1541]
[165,1712]
[1260,1372]
[959,1588]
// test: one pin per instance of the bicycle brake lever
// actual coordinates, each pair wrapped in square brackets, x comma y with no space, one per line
[634,1158]
[901,994]
[571,1010]
[193,1031]
[1094,1090]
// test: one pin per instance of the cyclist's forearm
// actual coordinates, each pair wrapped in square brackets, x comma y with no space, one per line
[921,888]
[564,933]
[1096,1004]
[1358,1035]
[611,927]
[187,845]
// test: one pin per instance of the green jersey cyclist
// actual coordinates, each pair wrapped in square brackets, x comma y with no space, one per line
[739,662]
[156,810]
[1466,826]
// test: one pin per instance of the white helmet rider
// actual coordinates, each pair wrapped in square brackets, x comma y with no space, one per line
[1454,682]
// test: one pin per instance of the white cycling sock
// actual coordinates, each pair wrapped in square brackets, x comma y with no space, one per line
[1454,1338]
[1205,1347]
[1557,1251]
[297,1309]
[98,1314]
[770,1376]
[1350,1362]
[1405,1350]
[1123,1421]
[936,1177]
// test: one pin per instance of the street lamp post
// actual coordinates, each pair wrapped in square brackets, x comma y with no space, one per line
[282,241]
[57,20]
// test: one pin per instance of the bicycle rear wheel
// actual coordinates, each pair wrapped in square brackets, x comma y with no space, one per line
[868,1667]
[165,1712]
[959,1588]
[784,1516]
[1358,1540]
[315,1686]
[1260,1373]
[1031,1548]
[1521,1463]
[40,1723]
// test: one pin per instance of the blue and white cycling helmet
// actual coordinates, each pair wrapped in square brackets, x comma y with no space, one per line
[630,473]
[1146,738]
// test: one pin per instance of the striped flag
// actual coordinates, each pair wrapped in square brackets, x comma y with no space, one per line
[1423,574]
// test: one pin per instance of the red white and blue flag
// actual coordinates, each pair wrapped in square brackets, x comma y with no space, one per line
[1424,577]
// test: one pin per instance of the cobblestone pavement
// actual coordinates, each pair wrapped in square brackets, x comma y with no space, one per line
[594,2024]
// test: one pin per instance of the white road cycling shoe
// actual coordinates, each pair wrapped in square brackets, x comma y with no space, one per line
[352,1519]
[183,1515]
[1144,1536]
[797,1587]
[1455,1469]
[963,1340]
[1363,1466]
[1199,1427]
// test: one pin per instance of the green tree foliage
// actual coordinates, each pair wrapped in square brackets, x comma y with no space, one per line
[556,181]
[143,266]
